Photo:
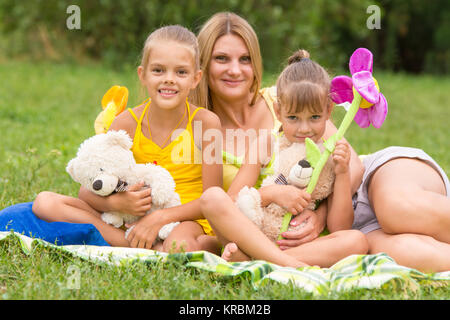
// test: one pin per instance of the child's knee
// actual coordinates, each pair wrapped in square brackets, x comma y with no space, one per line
[43,201]
[354,240]
[211,198]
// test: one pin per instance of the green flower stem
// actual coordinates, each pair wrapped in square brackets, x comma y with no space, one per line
[329,148]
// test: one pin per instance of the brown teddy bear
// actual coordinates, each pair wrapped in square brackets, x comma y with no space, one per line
[290,167]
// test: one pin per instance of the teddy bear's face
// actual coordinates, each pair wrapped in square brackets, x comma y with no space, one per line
[291,166]
[290,169]
[103,162]
[300,174]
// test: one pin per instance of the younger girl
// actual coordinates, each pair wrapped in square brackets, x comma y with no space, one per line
[162,133]
[303,107]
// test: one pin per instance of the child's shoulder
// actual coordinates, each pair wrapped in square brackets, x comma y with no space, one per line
[126,121]
[207,117]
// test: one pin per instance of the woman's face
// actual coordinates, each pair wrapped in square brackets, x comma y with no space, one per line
[230,69]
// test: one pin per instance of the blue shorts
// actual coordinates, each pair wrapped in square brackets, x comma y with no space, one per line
[364,217]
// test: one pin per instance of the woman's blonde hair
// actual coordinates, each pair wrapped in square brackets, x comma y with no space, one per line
[303,85]
[218,25]
[175,33]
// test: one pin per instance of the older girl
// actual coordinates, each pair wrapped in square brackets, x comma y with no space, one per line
[161,128]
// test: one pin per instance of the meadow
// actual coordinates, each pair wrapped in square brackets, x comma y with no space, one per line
[48,109]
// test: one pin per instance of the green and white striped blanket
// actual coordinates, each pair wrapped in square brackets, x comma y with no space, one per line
[356,271]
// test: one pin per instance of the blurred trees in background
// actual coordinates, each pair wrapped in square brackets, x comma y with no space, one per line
[414,34]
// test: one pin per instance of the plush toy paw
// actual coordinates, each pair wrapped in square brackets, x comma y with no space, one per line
[163,232]
[113,219]
[166,230]
[249,202]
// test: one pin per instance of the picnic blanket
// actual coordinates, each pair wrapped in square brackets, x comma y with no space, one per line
[356,271]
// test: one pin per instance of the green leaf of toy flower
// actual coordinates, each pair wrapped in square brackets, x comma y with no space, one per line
[312,152]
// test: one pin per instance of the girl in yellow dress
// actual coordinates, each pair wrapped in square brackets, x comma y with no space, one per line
[166,130]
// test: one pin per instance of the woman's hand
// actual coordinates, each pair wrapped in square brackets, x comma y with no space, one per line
[136,200]
[291,198]
[313,226]
[145,230]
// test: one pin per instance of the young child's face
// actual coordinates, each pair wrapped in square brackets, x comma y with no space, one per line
[299,126]
[171,74]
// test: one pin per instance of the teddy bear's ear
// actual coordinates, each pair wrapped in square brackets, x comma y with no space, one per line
[70,168]
[121,138]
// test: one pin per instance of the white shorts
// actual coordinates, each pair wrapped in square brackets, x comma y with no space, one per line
[364,217]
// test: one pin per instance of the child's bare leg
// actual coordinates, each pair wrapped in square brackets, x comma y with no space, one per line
[158,246]
[420,252]
[409,196]
[189,236]
[209,243]
[52,207]
[231,225]
[327,250]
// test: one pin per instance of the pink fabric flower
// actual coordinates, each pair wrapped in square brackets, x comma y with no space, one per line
[373,108]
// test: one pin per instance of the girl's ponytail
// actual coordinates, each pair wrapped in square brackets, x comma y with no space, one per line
[298,56]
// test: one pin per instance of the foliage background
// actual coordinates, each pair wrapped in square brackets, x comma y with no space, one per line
[414,34]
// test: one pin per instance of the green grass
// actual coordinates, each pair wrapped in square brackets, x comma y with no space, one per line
[47,110]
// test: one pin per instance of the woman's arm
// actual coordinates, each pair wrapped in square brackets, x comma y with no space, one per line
[313,224]
[251,166]
[211,147]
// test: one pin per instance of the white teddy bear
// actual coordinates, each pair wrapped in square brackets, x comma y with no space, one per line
[105,164]
[290,167]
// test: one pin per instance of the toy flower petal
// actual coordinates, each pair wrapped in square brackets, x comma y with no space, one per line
[365,85]
[341,89]
[361,60]
[377,114]
[362,118]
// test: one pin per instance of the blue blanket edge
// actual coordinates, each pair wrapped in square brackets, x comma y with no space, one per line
[21,219]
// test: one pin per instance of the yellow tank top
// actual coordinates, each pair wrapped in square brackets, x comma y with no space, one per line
[232,163]
[181,157]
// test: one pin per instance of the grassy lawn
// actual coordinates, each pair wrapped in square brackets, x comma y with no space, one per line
[47,110]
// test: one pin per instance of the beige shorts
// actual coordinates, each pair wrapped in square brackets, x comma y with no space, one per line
[364,217]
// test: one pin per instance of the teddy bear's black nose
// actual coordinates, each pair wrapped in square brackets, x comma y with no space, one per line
[97,185]
[304,163]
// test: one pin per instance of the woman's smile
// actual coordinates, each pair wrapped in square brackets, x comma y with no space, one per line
[232,83]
